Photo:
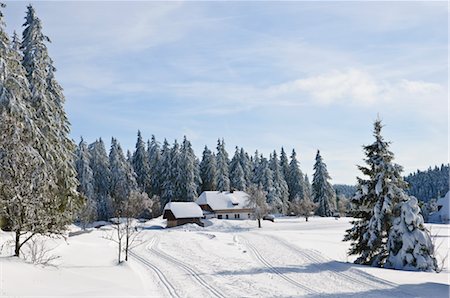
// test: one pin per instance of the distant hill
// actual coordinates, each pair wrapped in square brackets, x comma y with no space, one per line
[430,184]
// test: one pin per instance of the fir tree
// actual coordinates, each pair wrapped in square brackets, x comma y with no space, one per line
[246,165]
[208,170]
[279,184]
[24,191]
[223,180]
[409,245]
[140,163]
[322,190]
[374,201]
[154,157]
[295,179]
[165,171]
[99,164]
[237,175]
[85,178]
[189,173]
[284,164]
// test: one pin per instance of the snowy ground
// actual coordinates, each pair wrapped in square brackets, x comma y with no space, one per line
[288,258]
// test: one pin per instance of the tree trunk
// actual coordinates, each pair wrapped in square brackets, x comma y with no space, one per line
[306,218]
[127,237]
[259,222]
[17,244]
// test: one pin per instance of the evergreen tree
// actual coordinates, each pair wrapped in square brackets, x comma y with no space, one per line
[85,176]
[141,165]
[123,180]
[47,100]
[176,172]
[374,201]
[246,165]
[322,190]
[279,184]
[284,164]
[237,175]
[24,191]
[295,179]
[222,161]
[409,245]
[99,163]
[165,172]
[208,171]
[154,157]
[189,173]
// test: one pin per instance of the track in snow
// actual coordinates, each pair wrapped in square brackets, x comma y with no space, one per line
[277,272]
[155,250]
[167,284]
[318,261]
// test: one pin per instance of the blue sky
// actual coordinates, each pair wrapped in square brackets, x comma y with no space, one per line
[303,75]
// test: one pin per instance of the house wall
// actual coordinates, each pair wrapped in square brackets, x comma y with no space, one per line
[234,215]
[182,221]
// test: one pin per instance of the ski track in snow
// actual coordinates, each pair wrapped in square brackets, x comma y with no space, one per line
[185,267]
[162,278]
[272,268]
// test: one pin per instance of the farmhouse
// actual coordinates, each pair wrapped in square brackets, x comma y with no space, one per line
[180,213]
[225,205]
[442,215]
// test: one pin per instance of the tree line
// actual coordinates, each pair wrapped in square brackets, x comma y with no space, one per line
[173,173]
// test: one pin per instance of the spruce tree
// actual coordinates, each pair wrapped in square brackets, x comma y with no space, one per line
[208,170]
[246,165]
[85,176]
[189,173]
[99,164]
[284,164]
[279,184]
[237,175]
[295,179]
[165,172]
[409,245]
[154,158]
[24,191]
[140,163]
[222,161]
[322,190]
[374,201]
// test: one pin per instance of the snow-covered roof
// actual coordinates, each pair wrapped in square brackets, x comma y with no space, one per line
[222,200]
[184,209]
[443,213]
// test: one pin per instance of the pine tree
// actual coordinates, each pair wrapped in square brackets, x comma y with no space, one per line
[295,179]
[279,184]
[141,166]
[123,178]
[409,245]
[237,175]
[322,190]
[223,180]
[165,171]
[99,164]
[374,201]
[154,157]
[208,170]
[189,173]
[85,178]
[24,191]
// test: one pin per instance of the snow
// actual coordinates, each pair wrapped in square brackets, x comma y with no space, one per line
[184,209]
[229,258]
[218,200]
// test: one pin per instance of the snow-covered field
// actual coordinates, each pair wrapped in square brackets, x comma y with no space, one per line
[288,258]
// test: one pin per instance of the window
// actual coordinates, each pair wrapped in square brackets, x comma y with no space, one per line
[235,216]
[219,216]
[249,215]
[226,216]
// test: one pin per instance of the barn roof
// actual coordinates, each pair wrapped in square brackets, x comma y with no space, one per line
[222,200]
[184,209]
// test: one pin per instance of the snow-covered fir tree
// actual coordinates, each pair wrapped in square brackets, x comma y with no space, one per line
[154,157]
[189,173]
[165,172]
[409,244]
[123,178]
[85,176]
[284,164]
[23,176]
[246,165]
[322,191]
[295,178]
[222,162]
[208,170]
[141,165]
[279,184]
[99,163]
[374,201]
[237,175]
